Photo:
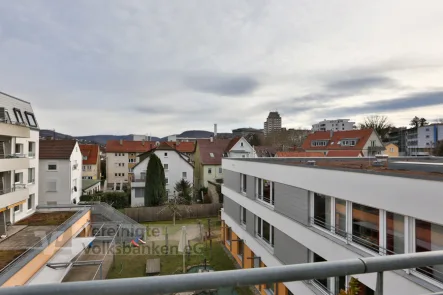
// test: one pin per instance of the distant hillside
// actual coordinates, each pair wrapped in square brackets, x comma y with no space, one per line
[102,139]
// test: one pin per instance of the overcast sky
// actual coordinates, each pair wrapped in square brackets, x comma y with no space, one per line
[162,67]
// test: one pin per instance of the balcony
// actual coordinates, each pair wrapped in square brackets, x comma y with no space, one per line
[13,162]
[14,130]
[13,195]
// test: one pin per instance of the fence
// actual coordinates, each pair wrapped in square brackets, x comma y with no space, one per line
[144,214]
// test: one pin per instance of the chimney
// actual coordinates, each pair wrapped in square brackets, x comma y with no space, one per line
[215,130]
[121,141]
[331,133]
[211,139]
[143,142]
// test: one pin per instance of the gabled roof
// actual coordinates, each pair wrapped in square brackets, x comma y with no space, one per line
[211,153]
[339,153]
[56,149]
[91,152]
[128,146]
[231,143]
[362,136]
[299,154]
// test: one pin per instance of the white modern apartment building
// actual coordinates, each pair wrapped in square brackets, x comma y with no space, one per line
[60,172]
[19,142]
[422,140]
[334,125]
[175,165]
[281,211]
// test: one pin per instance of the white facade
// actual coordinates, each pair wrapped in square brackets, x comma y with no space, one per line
[334,125]
[421,140]
[176,168]
[62,185]
[242,149]
[19,145]
[385,194]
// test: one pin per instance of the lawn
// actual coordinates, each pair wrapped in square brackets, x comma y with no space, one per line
[50,218]
[132,262]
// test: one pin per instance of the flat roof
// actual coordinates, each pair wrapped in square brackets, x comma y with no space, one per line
[87,183]
[429,168]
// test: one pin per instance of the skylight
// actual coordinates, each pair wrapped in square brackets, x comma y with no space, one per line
[212,155]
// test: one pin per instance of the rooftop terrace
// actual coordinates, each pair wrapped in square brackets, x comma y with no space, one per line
[430,168]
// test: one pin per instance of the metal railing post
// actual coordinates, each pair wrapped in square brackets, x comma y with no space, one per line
[379,284]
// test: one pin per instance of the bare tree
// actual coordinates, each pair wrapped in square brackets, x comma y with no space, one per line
[378,123]
[173,206]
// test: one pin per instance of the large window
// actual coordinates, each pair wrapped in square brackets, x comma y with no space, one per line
[18,116]
[365,226]
[265,190]
[330,285]
[429,237]
[31,175]
[340,217]
[395,233]
[322,211]
[265,231]
[31,119]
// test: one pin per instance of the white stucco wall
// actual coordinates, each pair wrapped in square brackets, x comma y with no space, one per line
[244,146]
[66,178]
[216,173]
[176,166]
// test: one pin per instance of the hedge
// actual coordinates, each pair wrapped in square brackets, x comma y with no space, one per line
[118,200]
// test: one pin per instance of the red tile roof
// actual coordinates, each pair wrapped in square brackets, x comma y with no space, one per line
[348,153]
[299,154]
[362,135]
[129,146]
[183,147]
[91,152]
[216,147]
[56,149]
[231,143]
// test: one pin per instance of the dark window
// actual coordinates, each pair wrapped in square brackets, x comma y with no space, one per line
[31,119]
[323,282]
[30,202]
[166,154]
[240,249]
[17,177]
[395,233]
[243,215]
[52,167]
[365,226]
[429,237]
[259,226]
[228,235]
[18,115]
[209,170]
[243,183]
[322,210]
[267,232]
[16,208]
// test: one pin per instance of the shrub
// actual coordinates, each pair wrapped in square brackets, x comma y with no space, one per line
[118,200]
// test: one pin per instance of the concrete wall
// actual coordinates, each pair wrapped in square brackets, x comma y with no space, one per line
[232,209]
[232,180]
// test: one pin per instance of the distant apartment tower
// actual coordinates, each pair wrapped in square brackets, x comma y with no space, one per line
[19,165]
[273,123]
[334,125]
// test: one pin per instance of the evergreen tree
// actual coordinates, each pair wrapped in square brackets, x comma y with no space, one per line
[184,190]
[155,185]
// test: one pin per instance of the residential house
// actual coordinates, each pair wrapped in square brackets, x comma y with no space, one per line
[278,212]
[19,166]
[239,147]
[207,160]
[60,172]
[121,157]
[391,150]
[365,140]
[298,154]
[176,166]
[263,151]
[91,161]
[334,125]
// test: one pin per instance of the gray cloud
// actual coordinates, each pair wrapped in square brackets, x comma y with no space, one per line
[413,100]
[231,85]
[360,84]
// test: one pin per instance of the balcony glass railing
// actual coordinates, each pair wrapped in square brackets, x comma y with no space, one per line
[16,187]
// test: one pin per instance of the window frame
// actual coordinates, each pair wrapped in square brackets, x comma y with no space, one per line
[243,215]
[184,174]
[31,115]
[209,170]
[18,112]
[52,164]
[166,166]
